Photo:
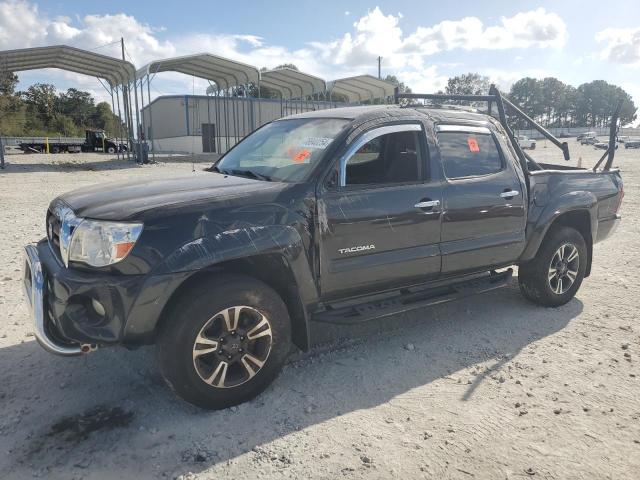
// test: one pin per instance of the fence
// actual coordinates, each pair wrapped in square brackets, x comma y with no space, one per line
[12,144]
[575,131]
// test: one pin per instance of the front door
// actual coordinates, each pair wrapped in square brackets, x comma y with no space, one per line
[380,225]
[483,223]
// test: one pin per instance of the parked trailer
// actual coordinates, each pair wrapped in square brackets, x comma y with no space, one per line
[95,141]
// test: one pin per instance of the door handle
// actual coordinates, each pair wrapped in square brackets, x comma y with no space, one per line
[428,204]
[509,194]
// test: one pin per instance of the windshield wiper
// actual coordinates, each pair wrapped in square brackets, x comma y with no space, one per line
[249,174]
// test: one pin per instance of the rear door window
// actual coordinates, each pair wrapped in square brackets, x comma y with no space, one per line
[469,154]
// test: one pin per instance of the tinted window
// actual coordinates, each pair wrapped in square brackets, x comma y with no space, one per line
[387,159]
[468,154]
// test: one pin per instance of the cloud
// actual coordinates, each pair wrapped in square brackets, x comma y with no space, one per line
[379,34]
[24,24]
[19,25]
[622,45]
[424,80]
[535,28]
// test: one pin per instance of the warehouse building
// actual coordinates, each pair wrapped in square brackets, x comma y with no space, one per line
[216,122]
[207,124]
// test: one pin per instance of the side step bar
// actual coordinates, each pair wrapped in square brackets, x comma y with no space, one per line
[410,299]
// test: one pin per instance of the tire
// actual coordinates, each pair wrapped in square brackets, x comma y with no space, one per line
[253,358]
[111,150]
[532,147]
[535,279]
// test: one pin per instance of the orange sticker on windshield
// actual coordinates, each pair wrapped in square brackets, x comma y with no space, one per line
[301,156]
[473,144]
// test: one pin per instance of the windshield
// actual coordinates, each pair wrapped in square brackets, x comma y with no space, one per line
[285,150]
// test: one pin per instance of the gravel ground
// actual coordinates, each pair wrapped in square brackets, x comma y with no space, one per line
[488,387]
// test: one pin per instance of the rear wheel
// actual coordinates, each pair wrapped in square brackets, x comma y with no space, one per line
[554,276]
[111,149]
[224,342]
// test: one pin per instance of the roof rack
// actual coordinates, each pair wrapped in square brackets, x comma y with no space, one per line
[496,97]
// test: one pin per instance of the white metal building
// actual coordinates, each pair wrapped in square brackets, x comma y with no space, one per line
[204,124]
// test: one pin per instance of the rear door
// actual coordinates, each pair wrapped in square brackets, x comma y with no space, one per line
[379,220]
[483,223]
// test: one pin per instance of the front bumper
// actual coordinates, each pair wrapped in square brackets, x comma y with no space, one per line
[62,302]
[34,291]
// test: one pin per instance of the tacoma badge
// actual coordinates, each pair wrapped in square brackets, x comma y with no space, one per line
[359,248]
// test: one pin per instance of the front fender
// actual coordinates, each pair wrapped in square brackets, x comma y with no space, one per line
[539,225]
[232,244]
[209,251]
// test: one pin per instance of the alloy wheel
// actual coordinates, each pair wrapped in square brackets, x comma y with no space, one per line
[232,346]
[563,269]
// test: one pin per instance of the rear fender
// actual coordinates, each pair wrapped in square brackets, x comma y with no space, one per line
[562,205]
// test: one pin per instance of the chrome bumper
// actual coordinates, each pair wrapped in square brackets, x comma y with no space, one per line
[34,290]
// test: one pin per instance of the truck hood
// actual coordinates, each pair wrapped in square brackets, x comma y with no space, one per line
[124,200]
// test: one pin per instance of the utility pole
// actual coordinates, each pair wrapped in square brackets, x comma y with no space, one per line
[127,108]
[1,154]
[379,65]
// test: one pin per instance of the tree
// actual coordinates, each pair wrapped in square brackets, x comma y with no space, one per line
[402,88]
[526,93]
[76,104]
[468,84]
[40,100]
[553,91]
[557,104]
[8,82]
[9,102]
[596,101]
[103,118]
[287,65]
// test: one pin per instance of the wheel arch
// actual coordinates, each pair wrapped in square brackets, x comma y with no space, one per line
[273,269]
[578,212]
[579,220]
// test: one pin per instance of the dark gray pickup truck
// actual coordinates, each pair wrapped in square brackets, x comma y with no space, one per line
[335,216]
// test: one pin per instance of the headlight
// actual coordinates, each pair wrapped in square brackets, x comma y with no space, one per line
[99,243]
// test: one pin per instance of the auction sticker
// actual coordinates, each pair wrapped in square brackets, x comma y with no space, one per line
[316,142]
[473,144]
[302,156]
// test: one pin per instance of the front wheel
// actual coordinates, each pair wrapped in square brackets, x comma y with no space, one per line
[554,276]
[224,342]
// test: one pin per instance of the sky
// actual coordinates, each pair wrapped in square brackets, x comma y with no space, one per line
[422,42]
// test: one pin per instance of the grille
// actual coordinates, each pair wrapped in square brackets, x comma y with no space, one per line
[53,232]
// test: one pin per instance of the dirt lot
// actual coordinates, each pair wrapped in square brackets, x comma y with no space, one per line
[489,387]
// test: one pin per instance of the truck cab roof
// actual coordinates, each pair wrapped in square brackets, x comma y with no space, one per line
[437,114]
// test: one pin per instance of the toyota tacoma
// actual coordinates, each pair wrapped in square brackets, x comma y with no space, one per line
[334,216]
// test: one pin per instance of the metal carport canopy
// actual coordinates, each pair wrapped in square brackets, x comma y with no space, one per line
[112,70]
[292,82]
[224,72]
[362,87]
